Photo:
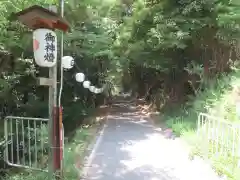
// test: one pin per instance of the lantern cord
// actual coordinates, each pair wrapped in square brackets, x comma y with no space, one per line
[61,3]
[61,72]
[61,55]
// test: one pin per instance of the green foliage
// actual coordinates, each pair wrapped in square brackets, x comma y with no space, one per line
[217,100]
[158,47]
[163,35]
[89,41]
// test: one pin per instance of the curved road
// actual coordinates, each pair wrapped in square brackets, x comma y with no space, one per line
[131,148]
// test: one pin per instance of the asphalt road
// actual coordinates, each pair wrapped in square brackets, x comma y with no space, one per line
[131,148]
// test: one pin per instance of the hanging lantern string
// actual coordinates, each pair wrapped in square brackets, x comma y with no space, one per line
[68,63]
[80,77]
[70,84]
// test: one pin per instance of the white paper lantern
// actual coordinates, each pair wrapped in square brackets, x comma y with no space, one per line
[67,62]
[101,90]
[80,77]
[92,89]
[97,91]
[86,84]
[45,47]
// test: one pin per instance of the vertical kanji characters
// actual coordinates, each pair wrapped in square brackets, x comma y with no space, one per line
[50,47]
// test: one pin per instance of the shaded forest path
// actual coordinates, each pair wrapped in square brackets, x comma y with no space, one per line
[130,147]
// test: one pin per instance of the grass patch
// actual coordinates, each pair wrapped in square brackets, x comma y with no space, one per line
[218,100]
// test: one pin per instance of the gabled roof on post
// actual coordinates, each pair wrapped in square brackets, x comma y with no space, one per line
[36,17]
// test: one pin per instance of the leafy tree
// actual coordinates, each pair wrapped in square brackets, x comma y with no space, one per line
[171,36]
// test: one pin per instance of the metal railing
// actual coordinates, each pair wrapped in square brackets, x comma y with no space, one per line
[26,142]
[219,140]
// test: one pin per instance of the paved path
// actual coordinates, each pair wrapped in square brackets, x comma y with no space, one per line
[131,148]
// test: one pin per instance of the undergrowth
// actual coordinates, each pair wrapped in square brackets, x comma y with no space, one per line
[72,151]
[219,101]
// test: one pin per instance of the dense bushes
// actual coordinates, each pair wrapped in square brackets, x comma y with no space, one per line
[168,52]
[181,56]
[89,42]
[218,100]
[169,44]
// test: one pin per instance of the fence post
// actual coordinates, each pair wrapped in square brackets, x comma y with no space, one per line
[238,145]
